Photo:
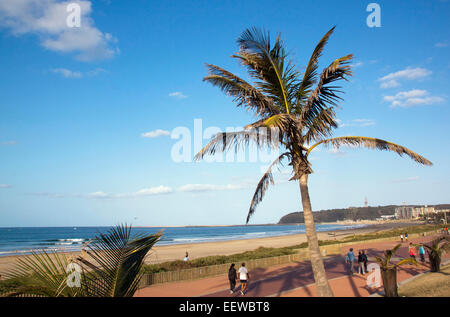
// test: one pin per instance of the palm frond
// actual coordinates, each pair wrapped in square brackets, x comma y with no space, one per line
[262,186]
[310,75]
[324,95]
[244,93]
[268,64]
[436,246]
[406,261]
[45,275]
[115,261]
[385,259]
[372,143]
[224,141]
[322,126]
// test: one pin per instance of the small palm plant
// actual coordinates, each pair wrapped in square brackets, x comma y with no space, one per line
[110,266]
[389,270]
[435,251]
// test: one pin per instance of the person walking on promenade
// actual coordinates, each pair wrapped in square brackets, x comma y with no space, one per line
[412,251]
[232,276]
[349,259]
[244,277]
[365,259]
[422,253]
[406,236]
[401,237]
[360,263]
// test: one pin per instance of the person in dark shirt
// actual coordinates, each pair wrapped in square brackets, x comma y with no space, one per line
[360,263]
[232,278]
[365,259]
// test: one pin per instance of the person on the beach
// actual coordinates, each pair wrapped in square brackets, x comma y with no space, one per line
[412,251]
[186,258]
[232,278]
[365,259]
[422,253]
[243,277]
[401,237]
[406,236]
[360,263]
[349,259]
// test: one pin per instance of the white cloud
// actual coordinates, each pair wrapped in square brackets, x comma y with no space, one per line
[178,95]
[210,187]
[5,186]
[392,79]
[99,195]
[389,84]
[67,73]
[336,151]
[9,143]
[358,123]
[357,64]
[155,134]
[441,44]
[154,191]
[406,180]
[48,20]
[151,191]
[411,98]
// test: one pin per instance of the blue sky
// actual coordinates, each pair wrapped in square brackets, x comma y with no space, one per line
[76,104]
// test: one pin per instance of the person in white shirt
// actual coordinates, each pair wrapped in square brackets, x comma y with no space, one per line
[244,276]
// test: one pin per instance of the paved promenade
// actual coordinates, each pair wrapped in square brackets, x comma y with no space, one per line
[293,279]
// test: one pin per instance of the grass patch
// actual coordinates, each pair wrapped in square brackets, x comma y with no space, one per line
[259,253]
[428,285]
[262,252]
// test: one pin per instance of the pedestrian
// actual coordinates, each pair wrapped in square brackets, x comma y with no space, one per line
[401,237]
[186,258]
[365,261]
[360,263]
[412,251]
[422,253]
[232,278]
[406,236]
[244,277]
[349,259]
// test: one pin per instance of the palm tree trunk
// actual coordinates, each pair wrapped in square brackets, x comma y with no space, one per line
[322,286]
[389,277]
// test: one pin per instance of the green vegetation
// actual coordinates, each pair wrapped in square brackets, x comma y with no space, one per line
[389,270]
[352,213]
[435,250]
[110,266]
[432,284]
[262,252]
[259,253]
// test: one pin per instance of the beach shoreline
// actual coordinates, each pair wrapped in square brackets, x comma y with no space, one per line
[165,253]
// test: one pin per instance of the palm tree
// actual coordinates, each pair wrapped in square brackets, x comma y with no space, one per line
[389,270]
[110,266]
[299,107]
[435,251]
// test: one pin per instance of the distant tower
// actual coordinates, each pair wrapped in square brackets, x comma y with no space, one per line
[366,203]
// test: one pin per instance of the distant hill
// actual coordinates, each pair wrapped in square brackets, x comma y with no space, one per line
[352,213]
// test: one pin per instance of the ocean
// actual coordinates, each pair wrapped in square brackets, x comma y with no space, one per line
[15,241]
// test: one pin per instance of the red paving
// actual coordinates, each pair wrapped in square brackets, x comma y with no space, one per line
[293,279]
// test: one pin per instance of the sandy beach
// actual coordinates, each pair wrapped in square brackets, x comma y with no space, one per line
[177,252]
